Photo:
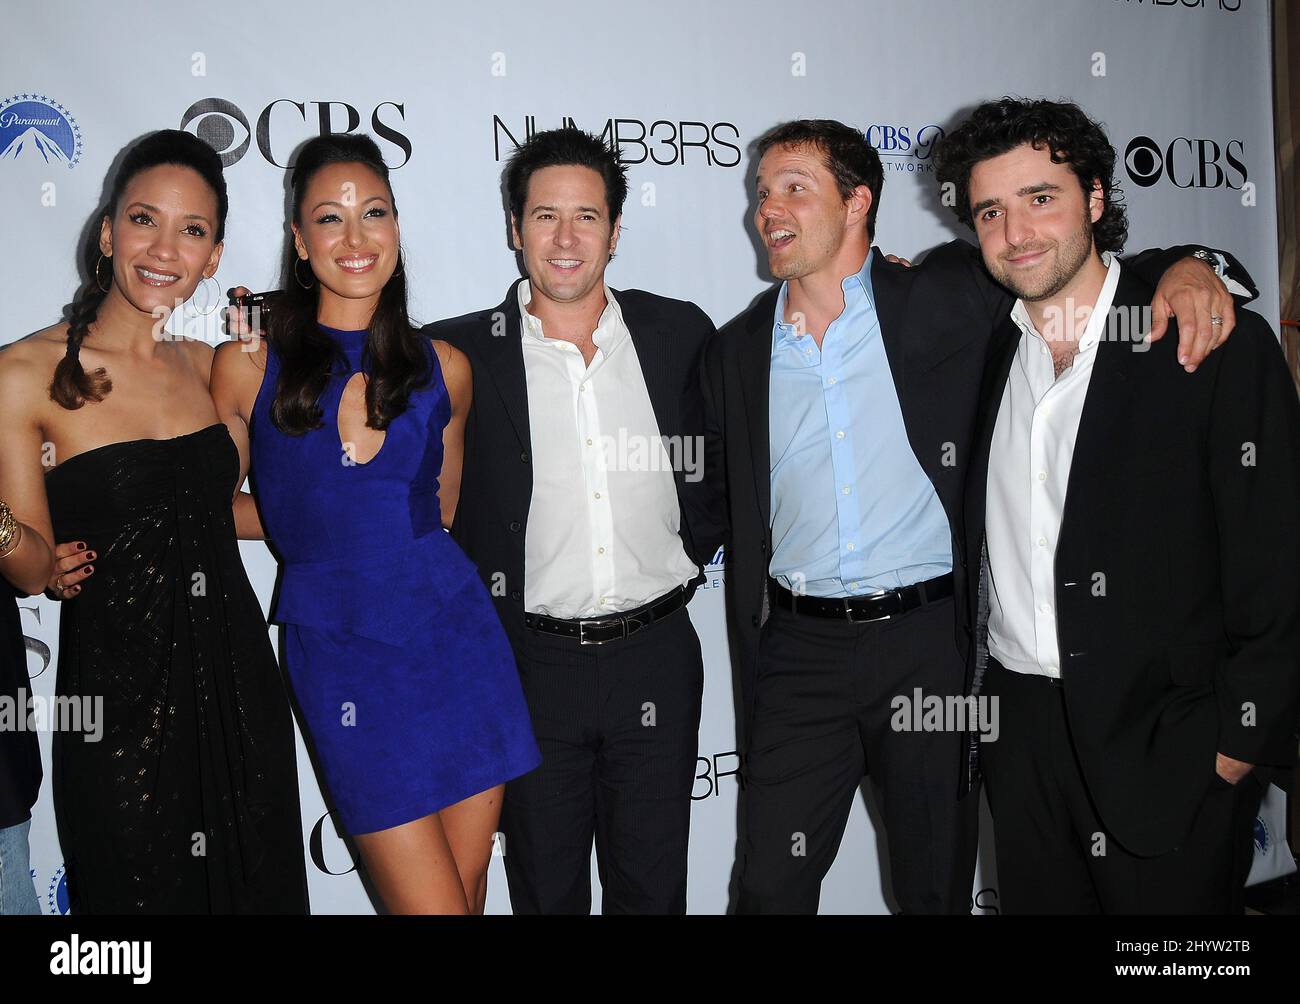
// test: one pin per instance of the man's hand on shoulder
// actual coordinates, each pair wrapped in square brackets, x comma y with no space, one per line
[1192,293]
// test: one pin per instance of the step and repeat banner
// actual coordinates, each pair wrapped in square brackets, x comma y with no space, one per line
[683,88]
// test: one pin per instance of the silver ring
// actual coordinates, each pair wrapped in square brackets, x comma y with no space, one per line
[1216,319]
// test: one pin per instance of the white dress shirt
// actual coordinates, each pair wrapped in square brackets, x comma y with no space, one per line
[1029,469]
[602,533]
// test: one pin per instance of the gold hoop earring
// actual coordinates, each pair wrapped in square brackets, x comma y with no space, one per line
[304,285]
[102,258]
[216,297]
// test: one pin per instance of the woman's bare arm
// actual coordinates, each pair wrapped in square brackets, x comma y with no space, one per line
[458,377]
[23,455]
[234,382]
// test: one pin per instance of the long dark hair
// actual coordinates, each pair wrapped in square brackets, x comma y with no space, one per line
[72,386]
[399,364]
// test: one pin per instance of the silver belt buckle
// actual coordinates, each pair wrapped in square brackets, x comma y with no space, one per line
[848,611]
[582,633]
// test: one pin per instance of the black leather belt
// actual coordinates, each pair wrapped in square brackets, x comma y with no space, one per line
[599,630]
[861,609]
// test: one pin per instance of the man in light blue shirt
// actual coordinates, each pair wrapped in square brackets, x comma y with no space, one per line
[853,513]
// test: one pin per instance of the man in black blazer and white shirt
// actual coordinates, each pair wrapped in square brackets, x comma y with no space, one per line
[587,507]
[1133,552]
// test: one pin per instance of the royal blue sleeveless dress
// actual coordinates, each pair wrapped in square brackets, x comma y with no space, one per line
[398,662]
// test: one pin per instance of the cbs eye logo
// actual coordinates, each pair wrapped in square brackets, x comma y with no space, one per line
[284,124]
[214,121]
[1186,162]
[1144,161]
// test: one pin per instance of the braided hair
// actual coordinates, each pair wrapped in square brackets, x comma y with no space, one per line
[72,386]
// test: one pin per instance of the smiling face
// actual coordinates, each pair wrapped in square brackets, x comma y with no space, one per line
[565,234]
[805,223]
[161,239]
[348,231]
[1033,222]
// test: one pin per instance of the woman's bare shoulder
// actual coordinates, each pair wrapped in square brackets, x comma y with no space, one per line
[27,365]
[38,352]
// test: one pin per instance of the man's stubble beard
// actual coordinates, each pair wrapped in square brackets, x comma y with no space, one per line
[1070,258]
[800,266]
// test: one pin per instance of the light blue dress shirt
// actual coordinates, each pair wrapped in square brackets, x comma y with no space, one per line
[852,511]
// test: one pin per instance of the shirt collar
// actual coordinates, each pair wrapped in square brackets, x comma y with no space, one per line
[1100,311]
[609,329]
[859,283]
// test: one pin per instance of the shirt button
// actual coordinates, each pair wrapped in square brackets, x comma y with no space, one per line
[604,600]
[839,433]
[831,381]
[525,457]
[844,490]
[807,352]
[588,442]
[1042,475]
[1042,541]
[1053,670]
[600,550]
[597,494]
[849,546]
[582,387]
[1046,608]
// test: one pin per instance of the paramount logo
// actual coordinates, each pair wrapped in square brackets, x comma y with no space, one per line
[14,119]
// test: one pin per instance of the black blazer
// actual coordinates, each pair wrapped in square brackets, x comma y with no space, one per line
[935,320]
[1197,619]
[497,480]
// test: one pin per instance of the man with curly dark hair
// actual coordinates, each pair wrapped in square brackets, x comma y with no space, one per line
[1133,560]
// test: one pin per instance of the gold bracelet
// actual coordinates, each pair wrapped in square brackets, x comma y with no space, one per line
[10,531]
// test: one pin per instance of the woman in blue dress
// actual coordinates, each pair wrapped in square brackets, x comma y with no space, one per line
[351,425]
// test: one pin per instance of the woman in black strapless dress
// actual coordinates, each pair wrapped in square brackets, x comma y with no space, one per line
[188,803]
[188,800]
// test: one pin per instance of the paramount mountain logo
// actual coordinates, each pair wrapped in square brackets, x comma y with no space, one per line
[36,127]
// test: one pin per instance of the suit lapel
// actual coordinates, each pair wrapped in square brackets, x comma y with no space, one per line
[755,381]
[652,343]
[1105,421]
[997,368]
[503,353]
[890,295]
[642,326]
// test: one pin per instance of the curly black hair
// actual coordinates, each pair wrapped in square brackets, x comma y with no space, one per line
[1071,137]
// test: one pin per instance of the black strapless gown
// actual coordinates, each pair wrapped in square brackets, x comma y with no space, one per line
[188,803]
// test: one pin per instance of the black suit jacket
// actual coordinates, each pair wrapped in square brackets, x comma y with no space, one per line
[1190,644]
[935,320]
[497,479]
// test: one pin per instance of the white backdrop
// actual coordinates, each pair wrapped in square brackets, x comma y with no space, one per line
[1182,85]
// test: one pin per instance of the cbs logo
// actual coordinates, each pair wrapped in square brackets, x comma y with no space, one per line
[1186,162]
[285,123]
